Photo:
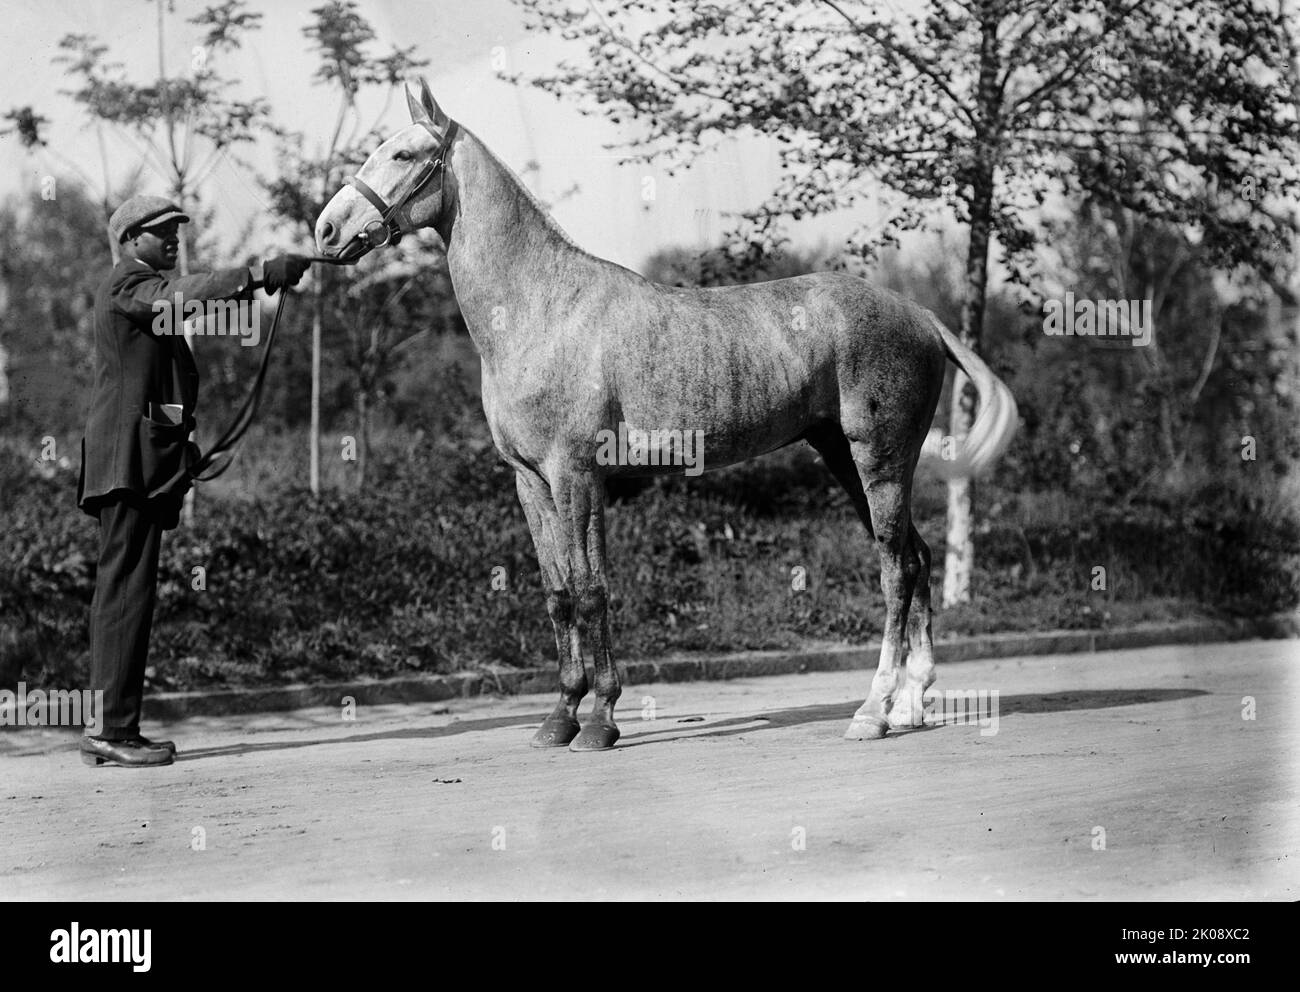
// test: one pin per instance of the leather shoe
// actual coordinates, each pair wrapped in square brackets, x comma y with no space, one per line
[144,741]
[96,751]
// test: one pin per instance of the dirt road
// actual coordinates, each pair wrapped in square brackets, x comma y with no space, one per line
[1129,775]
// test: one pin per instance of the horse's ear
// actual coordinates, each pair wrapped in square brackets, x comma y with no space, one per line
[430,105]
[413,105]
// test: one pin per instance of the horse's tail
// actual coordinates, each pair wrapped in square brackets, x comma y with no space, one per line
[996,421]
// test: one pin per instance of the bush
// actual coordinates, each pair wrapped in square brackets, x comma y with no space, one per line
[399,578]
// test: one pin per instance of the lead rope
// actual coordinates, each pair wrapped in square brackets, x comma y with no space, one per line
[389,222]
[225,445]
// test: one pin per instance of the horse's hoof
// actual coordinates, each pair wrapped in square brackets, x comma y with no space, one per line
[595,737]
[866,728]
[555,733]
[904,721]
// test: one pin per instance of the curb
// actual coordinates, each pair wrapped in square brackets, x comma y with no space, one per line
[169,706]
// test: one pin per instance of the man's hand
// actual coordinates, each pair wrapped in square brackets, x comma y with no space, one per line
[284,272]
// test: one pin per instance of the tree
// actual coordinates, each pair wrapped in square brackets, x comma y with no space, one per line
[47,294]
[340,36]
[180,126]
[1152,408]
[384,313]
[687,267]
[982,109]
[28,124]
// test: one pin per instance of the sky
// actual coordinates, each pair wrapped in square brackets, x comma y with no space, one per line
[607,214]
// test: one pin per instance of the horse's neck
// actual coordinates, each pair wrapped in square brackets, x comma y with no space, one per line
[500,241]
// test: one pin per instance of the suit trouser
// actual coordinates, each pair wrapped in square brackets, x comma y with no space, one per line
[121,612]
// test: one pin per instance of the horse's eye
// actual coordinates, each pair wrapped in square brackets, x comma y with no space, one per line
[402,156]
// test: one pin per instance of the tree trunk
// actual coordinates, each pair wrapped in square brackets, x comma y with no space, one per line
[183,263]
[114,249]
[313,441]
[959,555]
[363,436]
[1168,448]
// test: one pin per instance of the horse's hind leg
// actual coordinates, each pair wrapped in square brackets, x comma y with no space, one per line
[891,521]
[883,507]
[562,725]
[909,702]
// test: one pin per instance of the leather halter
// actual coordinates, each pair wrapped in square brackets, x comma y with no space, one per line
[388,215]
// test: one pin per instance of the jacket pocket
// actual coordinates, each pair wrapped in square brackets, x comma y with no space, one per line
[164,458]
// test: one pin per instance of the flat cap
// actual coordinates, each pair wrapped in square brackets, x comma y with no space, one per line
[142,211]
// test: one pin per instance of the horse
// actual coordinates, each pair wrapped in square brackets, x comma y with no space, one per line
[577,350]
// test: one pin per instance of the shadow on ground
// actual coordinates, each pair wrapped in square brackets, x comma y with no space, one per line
[663,732]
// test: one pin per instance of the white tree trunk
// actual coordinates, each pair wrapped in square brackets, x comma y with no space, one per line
[187,329]
[959,555]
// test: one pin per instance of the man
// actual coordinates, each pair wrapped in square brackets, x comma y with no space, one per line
[136,452]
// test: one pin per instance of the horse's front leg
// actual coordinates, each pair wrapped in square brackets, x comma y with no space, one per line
[580,503]
[562,725]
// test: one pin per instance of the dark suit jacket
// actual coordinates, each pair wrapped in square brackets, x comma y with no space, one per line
[125,451]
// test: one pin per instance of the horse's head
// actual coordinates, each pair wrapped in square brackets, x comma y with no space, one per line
[399,188]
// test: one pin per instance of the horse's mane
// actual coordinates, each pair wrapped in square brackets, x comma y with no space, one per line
[529,195]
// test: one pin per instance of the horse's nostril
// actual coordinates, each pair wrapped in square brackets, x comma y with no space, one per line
[327,233]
